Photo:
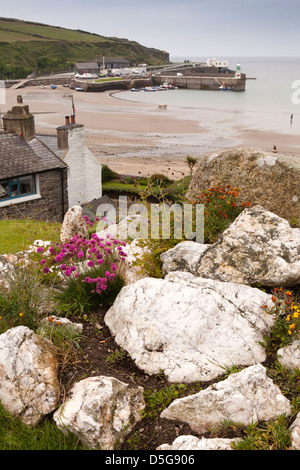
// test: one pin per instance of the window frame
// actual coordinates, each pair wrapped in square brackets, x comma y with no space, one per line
[20,197]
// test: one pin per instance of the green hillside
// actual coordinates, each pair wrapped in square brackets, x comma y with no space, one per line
[27,46]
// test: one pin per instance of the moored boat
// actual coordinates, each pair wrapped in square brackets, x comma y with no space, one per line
[150,88]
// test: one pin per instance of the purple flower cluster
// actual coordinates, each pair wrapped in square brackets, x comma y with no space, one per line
[96,252]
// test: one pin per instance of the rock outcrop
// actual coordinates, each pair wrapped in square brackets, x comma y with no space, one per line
[185,256]
[257,248]
[246,397]
[289,356]
[29,386]
[193,443]
[271,180]
[189,327]
[101,411]
[73,224]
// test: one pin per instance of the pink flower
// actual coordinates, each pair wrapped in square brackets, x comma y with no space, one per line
[43,261]
[46,270]
[91,264]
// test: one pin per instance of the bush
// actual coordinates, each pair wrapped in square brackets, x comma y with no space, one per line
[159,180]
[221,208]
[108,174]
[20,298]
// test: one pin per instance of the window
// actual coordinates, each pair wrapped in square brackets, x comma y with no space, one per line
[17,187]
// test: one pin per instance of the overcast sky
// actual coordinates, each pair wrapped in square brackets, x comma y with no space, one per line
[184,28]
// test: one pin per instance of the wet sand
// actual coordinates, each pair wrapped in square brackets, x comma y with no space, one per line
[140,139]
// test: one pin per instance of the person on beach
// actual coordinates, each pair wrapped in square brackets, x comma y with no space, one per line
[292,118]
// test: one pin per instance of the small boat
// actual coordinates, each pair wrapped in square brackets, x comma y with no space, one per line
[135,89]
[78,88]
[224,87]
[85,75]
[150,88]
[167,86]
[43,86]
[53,87]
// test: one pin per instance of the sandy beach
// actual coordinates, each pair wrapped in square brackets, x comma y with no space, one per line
[140,139]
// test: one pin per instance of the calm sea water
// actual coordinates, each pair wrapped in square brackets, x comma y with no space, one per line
[269,96]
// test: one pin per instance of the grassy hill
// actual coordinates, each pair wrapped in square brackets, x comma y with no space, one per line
[27,46]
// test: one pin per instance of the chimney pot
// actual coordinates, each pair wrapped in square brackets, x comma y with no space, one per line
[67,120]
[72,119]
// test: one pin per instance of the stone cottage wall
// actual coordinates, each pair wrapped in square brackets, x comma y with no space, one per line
[52,205]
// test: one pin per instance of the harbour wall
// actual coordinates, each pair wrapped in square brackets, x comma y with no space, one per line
[196,82]
[193,82]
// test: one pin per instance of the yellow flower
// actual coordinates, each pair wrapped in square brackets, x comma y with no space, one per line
[21,314]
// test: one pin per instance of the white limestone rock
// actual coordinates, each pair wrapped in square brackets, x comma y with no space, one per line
[259,247]
[295,433]
[193,443]
[73,224]
[246,397]
[29,387]
[64,322]
[289,356]
[101,411]
[185,256]
[130,271]
[6,264]
[189,327]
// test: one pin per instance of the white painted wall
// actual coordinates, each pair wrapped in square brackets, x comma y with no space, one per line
[84,175]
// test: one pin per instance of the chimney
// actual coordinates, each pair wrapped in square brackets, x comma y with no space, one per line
[63,132]
[20,120]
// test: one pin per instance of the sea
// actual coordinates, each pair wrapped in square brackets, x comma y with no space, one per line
[271,97]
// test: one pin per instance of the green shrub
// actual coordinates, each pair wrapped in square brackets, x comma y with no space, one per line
[46,436]
[159,180]
[108,174]
[20,298]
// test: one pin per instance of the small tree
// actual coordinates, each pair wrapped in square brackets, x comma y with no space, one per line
[191,162]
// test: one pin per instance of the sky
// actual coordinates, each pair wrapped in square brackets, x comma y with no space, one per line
[183,28]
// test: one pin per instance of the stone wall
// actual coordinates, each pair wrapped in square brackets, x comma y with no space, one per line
[202,83]
[52,205]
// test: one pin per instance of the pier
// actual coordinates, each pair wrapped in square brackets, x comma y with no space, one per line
[200,82]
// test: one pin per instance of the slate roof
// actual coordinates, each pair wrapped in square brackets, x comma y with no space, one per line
[50,141]
[116,60]
[18,158]
[86,65]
